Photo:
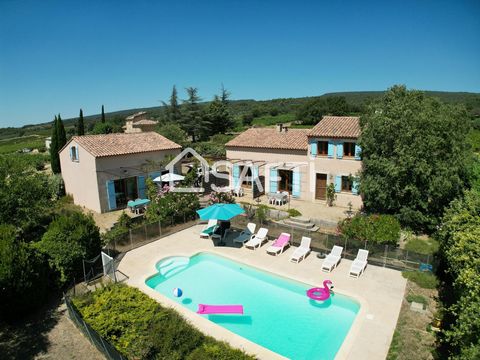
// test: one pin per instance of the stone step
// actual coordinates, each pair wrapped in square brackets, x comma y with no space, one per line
[301,220]
[301,226]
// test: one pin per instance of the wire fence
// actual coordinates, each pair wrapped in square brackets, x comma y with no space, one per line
[389,256]
[108,350]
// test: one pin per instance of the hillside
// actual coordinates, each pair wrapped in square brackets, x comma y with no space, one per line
[241,107]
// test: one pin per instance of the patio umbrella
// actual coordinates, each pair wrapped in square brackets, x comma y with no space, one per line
[169,177]
[222,212]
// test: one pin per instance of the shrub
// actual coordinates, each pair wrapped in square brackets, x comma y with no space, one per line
[379,229]
[141,328]
[221,198]
[69,239]
[23,274]
[294,212]
[261,213]
[425,280]
[418,299]
[422,246]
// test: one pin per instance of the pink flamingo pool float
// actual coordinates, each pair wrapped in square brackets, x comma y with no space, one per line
[320,293]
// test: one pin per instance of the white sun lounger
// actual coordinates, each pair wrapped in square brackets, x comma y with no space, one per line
[258,239]
[332,259]
[209,228]
[301,251]
[246,234]
[359,264]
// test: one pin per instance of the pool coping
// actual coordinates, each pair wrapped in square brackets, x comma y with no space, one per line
[203,324]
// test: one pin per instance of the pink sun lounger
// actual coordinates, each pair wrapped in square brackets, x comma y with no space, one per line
[219,309]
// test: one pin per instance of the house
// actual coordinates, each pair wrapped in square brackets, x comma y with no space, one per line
[138,122]
[104,172]
[302,162]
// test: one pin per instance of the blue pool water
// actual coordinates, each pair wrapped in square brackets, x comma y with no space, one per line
[277,313]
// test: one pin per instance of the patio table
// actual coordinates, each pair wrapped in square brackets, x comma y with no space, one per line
[282,198]
[137,205]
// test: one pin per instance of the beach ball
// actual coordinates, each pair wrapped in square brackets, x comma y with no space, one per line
[177,292]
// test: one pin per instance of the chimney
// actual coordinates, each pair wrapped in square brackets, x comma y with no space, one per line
[279,127]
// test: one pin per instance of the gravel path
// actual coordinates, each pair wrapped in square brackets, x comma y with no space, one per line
[50,334]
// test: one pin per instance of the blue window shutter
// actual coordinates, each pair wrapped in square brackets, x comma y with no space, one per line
[112,201]
[339,150]
[273,180]
[78,157]
[296,184]
[338,183]
[330,149]
[236,176]
[154,174]
[358,152]
[313,148]
[355,187]
[71,153]
[141,186]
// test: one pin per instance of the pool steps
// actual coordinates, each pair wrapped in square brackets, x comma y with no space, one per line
[172,266]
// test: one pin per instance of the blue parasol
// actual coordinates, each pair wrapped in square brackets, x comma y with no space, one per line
[221,212]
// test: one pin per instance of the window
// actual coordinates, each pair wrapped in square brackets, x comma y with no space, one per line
[286,180]
[73,153]
[346,184]
[349,149]
[323,148]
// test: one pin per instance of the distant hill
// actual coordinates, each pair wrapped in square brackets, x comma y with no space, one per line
[240,107]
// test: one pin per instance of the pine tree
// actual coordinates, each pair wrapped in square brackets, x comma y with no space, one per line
[174,108]
[80,124]
[54,157]
[61,134]
[220,119]
[194,122]
[103,114]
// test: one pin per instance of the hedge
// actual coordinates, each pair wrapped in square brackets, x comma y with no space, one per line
[140,328]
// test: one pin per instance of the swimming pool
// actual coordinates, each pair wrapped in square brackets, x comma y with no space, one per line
[277,313]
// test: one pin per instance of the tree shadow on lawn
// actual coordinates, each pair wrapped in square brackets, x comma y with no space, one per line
[27,338]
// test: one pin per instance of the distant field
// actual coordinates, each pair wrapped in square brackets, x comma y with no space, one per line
[13,145]
[268,120]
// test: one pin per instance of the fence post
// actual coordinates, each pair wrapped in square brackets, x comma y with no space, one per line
[145,229]
[131,240]
[385,256]
[159,228]
[406,260]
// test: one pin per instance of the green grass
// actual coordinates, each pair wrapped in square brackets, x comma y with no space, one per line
[427,246]
[425,280]
[418,299]
[13,145]
[268,120]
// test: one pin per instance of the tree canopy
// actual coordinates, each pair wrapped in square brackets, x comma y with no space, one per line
[414,157]
[312,111]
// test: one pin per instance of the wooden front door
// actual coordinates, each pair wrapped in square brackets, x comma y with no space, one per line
[321,187]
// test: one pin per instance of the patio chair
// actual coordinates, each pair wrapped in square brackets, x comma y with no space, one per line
[279,245]
[359,264]
[208,230]
[246,234]
[301,251]
[258,239]
[332,259]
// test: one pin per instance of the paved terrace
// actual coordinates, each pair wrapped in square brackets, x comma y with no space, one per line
[379,290]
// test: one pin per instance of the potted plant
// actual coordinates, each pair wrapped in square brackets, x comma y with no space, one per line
[331,195]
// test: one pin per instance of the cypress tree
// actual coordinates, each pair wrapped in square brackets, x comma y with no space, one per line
[54,157]
[62,135]
[80,124]
[103,115]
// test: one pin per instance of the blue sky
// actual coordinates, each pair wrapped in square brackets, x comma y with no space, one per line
[60,56]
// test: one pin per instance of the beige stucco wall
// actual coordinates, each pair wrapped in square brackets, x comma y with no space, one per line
[308,168]
[332,167]
[124,166]
[80,177]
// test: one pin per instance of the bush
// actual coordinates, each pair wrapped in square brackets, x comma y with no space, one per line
[69,239]
[425,280]
[23,274]
[140,328]
[294,212]
[418,299]
[173,132]
[379,229]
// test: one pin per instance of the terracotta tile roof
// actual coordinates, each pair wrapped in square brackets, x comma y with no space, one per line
[337,127]
[269,138]
[121,144]
[145,122]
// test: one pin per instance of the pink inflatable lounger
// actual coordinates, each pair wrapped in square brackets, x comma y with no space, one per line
[219,309]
